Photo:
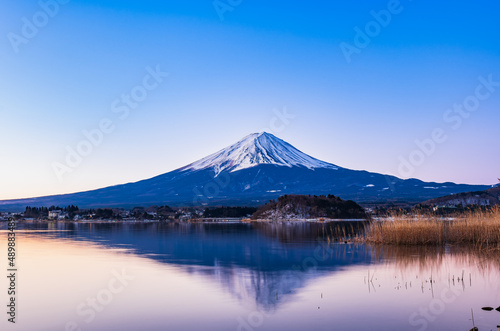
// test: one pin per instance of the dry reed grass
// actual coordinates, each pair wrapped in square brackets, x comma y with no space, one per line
[479,229]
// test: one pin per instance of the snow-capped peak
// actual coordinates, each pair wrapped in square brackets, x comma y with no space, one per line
[256,149]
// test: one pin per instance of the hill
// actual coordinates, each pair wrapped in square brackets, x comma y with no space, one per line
[307,206]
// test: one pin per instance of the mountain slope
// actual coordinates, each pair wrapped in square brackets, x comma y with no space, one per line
[250,172]
[489,197]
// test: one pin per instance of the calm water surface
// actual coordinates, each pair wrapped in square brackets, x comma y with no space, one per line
[240,277]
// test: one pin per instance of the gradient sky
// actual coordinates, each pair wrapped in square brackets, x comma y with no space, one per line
[228,78]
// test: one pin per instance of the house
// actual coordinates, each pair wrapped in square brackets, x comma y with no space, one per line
[54,214]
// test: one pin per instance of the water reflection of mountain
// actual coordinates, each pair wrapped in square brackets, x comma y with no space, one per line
[254,262]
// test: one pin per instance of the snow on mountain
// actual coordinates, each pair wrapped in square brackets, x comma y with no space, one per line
[256,149]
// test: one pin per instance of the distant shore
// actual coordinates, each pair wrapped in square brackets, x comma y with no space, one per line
[196,220]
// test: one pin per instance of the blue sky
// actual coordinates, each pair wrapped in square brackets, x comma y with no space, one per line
[230,77]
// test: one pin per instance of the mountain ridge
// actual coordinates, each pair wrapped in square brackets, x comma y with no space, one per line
[489,197]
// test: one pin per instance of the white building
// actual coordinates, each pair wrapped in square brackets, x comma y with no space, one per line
[54,214]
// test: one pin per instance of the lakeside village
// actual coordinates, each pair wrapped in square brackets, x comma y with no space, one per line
[312,208]
[137,214]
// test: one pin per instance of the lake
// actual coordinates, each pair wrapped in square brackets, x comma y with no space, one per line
[240,276]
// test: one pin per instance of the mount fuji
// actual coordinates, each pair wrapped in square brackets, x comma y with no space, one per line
[254,150]
[250,172]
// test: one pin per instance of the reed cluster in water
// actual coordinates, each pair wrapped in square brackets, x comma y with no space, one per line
[480,229]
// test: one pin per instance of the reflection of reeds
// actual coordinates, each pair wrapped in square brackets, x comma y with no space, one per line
[478,229]
[428,258]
